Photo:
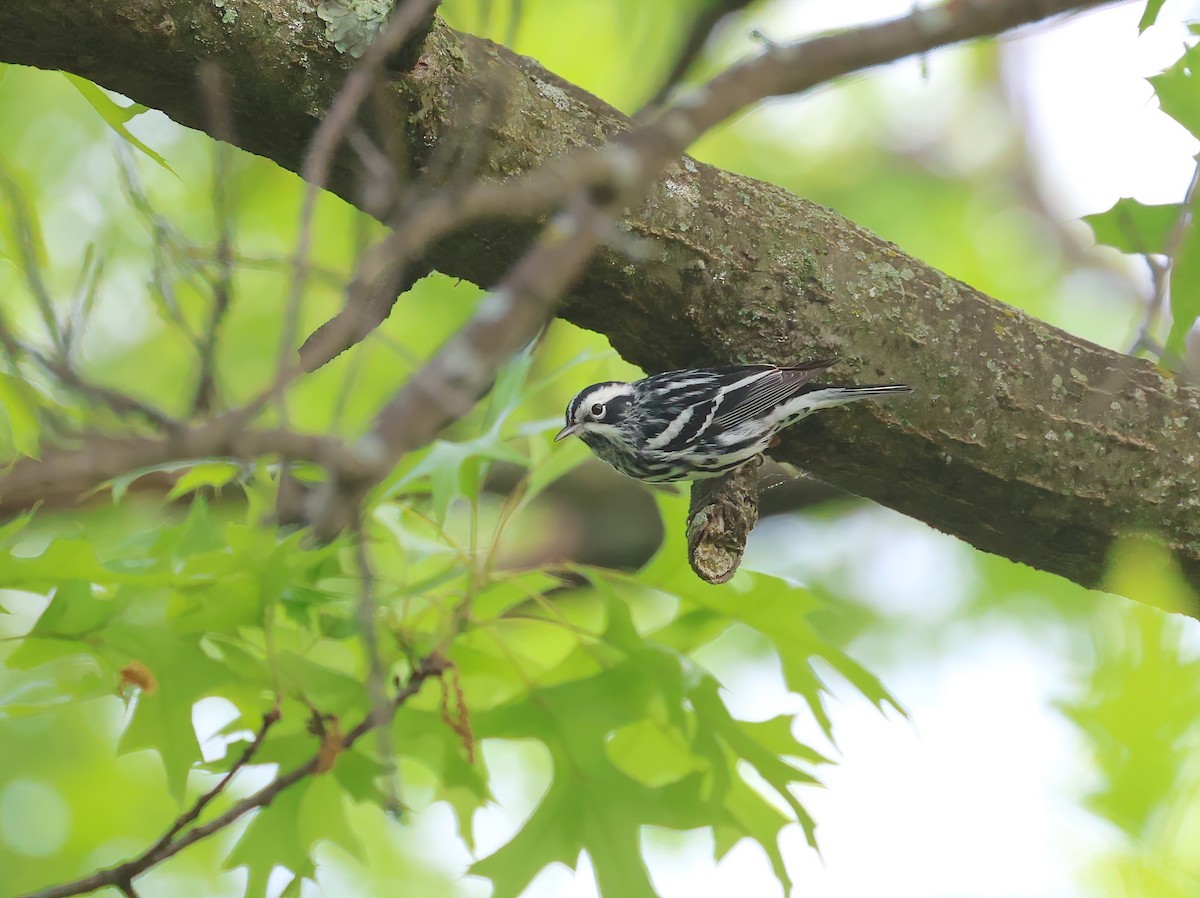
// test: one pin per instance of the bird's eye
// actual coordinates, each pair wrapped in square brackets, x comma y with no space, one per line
[598,410]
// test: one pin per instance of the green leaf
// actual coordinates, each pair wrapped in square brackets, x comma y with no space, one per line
[323,816]
[328,690]
[162,718]
[19,406]
[115,116]
[779,611]
[74,612]
[425,737]
[1138,713]
[63,559]
[1134,227]
[508,391]
[1177,91]
[10,531]
[1143,570]
[118,486]
[273,839]
[213,474]
[52,685]
[643,740]
[590,804]
[453,470]
[547,465]
[1149,14]
[21,228]
[653,754]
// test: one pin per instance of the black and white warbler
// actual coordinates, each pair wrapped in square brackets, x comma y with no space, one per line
[701,422]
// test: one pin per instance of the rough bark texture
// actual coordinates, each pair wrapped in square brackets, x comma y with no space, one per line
[721,514]
[1022,439]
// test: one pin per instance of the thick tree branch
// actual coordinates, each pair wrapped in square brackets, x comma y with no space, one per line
[1024,440]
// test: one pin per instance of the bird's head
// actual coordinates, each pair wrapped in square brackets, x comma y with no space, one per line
[597,411]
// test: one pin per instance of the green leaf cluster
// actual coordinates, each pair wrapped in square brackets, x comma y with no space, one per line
[1138,709]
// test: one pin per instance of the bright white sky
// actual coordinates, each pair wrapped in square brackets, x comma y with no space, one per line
[975,797]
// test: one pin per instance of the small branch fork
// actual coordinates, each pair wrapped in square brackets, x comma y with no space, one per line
[180,836]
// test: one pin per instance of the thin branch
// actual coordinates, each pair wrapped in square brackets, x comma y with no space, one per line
[27,237]
[122,875]
[705,22]
[60,367]
[1160,271]
[215,90]
[192,814]
[376,673]
[69,474]
[83,302]
[402,23]
[170,247]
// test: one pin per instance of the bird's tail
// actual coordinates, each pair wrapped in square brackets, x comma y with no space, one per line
[824,397]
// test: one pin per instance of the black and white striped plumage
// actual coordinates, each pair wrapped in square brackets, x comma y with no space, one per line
[701,422]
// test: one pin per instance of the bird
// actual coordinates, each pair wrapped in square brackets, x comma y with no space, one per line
[696,423]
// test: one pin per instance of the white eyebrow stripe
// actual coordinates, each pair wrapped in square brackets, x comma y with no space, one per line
[609,393]
[603,395]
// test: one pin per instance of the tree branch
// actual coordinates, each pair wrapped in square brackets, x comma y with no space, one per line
[721,514]
[69,474]
[123,874]
[1025,441]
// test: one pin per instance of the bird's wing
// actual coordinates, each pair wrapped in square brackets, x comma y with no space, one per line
[686,405]
[678,406]
[756,397]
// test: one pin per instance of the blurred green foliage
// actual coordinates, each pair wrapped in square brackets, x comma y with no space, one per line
[590,675]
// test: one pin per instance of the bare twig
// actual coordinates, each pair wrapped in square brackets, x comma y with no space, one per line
[68,474]
[122,875]
[60,367]
[1160,271]
[116,401]
[26,239]
[704,23]
[192,814]
[216,100]
[83,303]
[376,674]
[168,246]
[404,20]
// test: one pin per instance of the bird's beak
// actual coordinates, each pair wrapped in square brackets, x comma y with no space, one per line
[568,431]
